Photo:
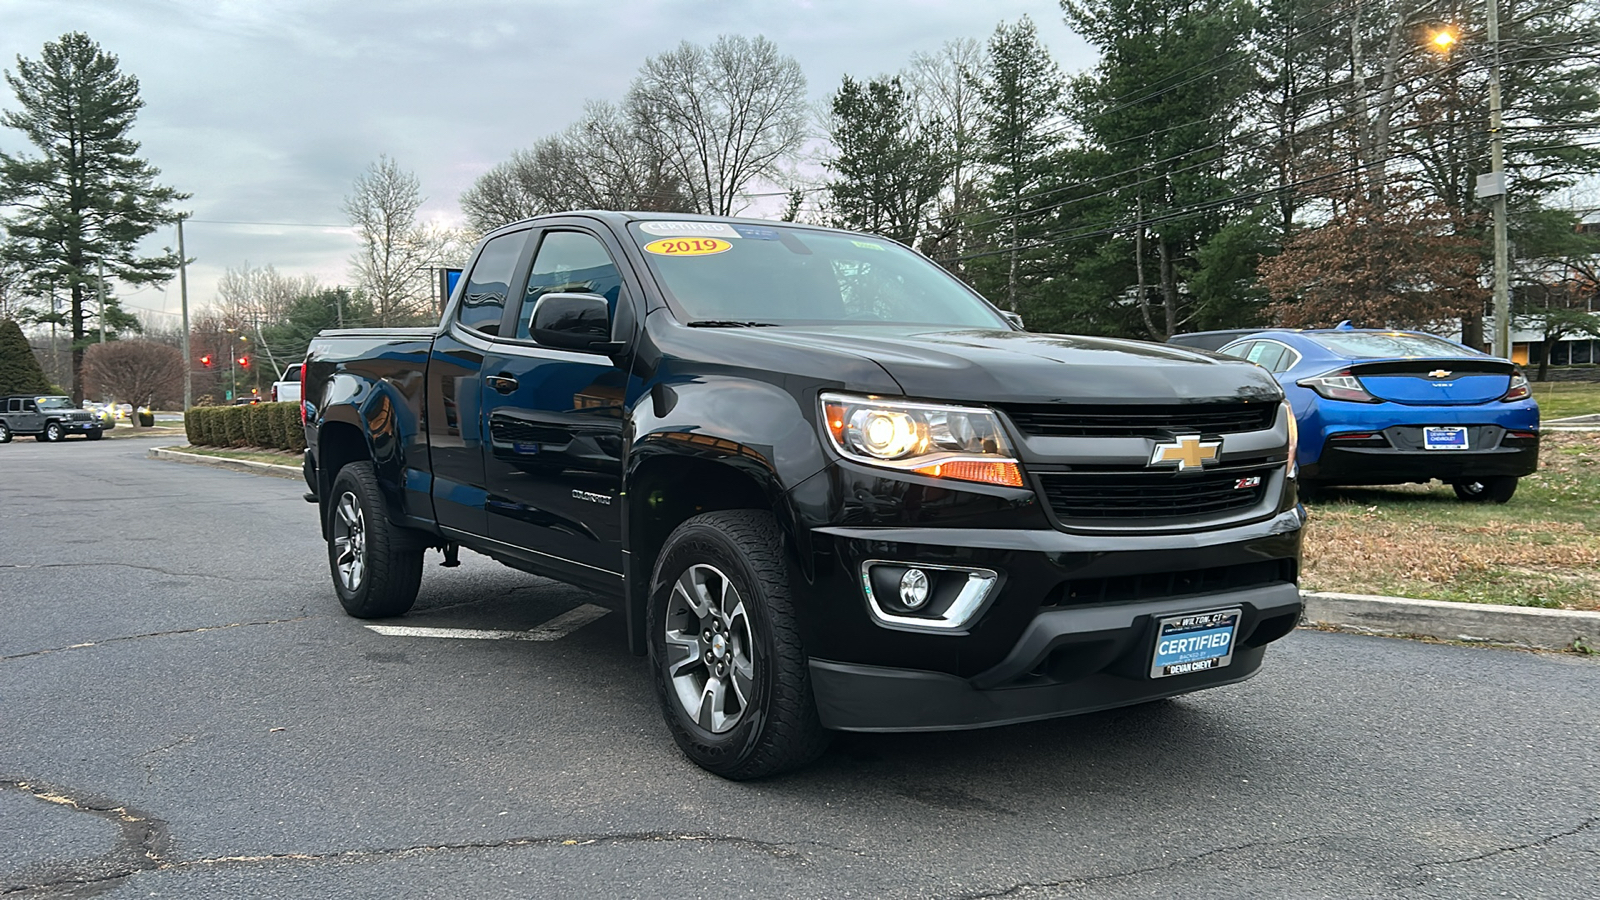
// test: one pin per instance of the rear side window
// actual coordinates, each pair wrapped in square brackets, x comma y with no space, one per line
[483,301]
[1240,350]
[1265,354]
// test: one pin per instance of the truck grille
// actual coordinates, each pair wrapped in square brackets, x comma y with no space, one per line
[1163,585]
[1153,495]
[1057,420]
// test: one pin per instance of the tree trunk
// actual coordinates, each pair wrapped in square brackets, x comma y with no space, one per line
[77,343]
[1169,288]
[1011,283]
[1138,265]
[1472,330]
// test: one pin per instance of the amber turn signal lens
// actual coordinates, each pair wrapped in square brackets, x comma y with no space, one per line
[1004,474]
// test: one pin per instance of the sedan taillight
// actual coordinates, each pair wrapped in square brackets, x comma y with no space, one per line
[1519,390]
[1340,385]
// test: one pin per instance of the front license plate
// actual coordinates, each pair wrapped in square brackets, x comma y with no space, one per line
[1444,437]
[1194,643]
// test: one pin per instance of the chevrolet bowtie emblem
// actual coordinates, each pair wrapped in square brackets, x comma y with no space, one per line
[1439,373]
[1188,451]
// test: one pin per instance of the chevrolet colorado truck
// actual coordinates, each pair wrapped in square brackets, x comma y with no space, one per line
[828,486]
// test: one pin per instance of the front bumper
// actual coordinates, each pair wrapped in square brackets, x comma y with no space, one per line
[1068,662]
[1071,628]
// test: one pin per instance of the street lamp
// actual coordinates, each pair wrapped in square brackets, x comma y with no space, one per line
[1492,184]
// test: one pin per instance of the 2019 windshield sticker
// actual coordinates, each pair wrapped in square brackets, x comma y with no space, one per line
[690,229]
[687,246]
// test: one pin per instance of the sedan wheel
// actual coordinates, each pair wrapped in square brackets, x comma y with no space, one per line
[1493,489]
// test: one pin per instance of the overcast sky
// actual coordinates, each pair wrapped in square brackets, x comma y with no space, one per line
[267,110]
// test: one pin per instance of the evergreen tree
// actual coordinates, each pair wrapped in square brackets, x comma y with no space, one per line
[1020,88]
[1160,116]
[889,165]
[87,200]
[20,372]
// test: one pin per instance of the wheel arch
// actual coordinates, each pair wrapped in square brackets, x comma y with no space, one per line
[667,488]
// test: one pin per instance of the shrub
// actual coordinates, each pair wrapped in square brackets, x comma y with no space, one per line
[233,432]
[258,425]
[281,432]
[191,427]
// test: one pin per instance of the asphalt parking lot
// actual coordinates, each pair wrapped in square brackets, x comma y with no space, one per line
[185,712]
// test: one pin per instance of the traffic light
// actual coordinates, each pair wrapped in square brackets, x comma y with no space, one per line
[244,362]
[206,360]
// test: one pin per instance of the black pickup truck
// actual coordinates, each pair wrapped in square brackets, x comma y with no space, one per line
[828,486]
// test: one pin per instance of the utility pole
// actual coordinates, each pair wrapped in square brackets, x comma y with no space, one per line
[183,295]
[1494,185]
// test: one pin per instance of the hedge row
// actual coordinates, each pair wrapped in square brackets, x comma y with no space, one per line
[272,425]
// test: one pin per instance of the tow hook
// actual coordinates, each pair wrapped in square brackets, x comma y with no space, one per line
[452,555]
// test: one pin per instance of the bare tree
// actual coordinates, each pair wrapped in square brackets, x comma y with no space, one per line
[720,117]
[134,371]
[943,87]
[397,253]
[598,162]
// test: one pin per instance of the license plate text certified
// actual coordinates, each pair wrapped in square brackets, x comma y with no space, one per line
[1444,437]
[1194,643]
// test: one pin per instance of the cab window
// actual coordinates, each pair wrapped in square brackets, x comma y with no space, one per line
[569,262]
[483,301]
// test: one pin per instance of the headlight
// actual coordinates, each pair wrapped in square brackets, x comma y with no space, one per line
[1294,440]
[963,443]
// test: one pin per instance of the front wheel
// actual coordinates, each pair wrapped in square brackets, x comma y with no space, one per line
[95,435]
[732,677]
[52,432]
[377,566]
[1495,489]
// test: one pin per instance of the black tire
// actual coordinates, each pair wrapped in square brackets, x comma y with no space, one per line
[5,433]
[52,432]
[774,727]
[376,566]
[1492,489]
[95,435]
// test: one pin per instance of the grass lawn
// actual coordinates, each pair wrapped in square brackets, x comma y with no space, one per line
[1559,399]
[258,454]
[1541,549]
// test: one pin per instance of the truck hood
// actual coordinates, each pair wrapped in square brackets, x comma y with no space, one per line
[1016,367]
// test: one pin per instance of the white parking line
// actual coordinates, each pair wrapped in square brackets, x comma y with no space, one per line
[553,630]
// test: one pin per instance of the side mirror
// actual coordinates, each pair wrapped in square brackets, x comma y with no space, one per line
[1014,318]
[573,322]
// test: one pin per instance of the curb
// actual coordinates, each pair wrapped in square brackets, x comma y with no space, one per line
[1479,623]
[217,462]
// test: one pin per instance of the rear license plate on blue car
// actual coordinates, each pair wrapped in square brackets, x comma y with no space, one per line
[1194,643]
[1444,437]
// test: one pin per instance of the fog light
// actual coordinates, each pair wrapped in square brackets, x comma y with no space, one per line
[913,589]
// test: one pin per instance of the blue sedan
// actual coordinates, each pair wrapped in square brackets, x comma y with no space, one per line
[1391,407]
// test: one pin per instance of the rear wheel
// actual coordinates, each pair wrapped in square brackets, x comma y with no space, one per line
[725,650]
[376,566]
[1493,489]
[5,433]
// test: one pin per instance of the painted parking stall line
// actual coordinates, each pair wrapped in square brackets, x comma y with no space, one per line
[553,630]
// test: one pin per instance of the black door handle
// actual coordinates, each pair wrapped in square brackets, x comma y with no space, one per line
[505,384]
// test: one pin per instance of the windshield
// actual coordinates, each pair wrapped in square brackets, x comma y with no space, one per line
[54,403]
[1391,345]
[737,274]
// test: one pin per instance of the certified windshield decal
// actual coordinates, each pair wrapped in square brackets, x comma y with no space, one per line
[689,229]
[687,246]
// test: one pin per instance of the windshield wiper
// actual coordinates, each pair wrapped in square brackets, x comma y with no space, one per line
[729,323]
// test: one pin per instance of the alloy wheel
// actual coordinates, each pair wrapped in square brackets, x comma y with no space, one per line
[350,542]
[711,657]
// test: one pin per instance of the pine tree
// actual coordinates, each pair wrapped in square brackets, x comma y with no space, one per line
[888,164]
[88,199]
[20,372]
[1020,87]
